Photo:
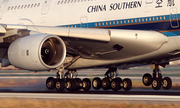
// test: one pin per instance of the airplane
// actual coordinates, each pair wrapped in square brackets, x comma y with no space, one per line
[83,34]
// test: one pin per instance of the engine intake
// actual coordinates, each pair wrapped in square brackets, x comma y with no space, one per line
[37,52]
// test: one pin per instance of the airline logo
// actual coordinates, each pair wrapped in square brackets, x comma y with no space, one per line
[169,3]
[114,6]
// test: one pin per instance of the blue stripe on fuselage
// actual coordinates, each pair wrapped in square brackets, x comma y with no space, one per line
[157,23]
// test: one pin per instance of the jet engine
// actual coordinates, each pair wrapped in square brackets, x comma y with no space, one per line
[37,52]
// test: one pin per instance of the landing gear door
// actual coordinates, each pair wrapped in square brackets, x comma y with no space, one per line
[174,17]
[2,6]
[46,6]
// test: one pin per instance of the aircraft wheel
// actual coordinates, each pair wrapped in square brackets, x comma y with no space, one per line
[120,82]
[50,83]
[147,79]
[166,83]
[77,84]
[86,84]
[106,83]
[156,83]
[97,83]
[115,84]
[70,84]
[127,84]
[60,85]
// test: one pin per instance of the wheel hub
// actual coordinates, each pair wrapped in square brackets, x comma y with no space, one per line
[113,84]
[165,83]
[125,84]
[145,79]
[49,84]
[84,84]
[58,85]
[68,85]
[154,83]
[104,84]
[95,83]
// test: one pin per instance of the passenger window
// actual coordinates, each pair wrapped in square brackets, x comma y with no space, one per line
[164,17]
[28,6]
[132,20]
[19,6]
[25,6]
[12,7]
[35,5]
[65,1]
[9,7]
[38,5]
[15,7]
[149,19]
[143,20]
[58,2]
[32,5]
[117,22]
[62,2]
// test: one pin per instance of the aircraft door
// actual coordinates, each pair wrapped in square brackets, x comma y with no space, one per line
[2,6]
[174,17]
[148,5]
[46,6]
[84,21]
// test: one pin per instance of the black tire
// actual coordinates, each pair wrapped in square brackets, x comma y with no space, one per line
[106,84]
[115,84]
[50,83]
[70,84]
[120,82]
[147,79]
[156,83]
[86,84]
[60,85]
[96,83]
[167,83]
[127,84]
[77,84]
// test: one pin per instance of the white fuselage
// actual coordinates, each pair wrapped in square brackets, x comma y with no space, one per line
[71,12]
[149,15]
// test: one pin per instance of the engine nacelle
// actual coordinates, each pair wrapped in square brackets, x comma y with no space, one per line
[37,52]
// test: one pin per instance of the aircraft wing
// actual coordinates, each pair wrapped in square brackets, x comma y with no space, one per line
[88,43]
[82,33]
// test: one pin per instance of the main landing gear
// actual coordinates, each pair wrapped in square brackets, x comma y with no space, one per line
[71,83]
[68,81]
[111,81]
[156,80]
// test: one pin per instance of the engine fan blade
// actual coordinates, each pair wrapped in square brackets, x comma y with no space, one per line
[48,51]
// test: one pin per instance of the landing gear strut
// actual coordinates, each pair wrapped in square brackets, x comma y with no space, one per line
[156,80]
